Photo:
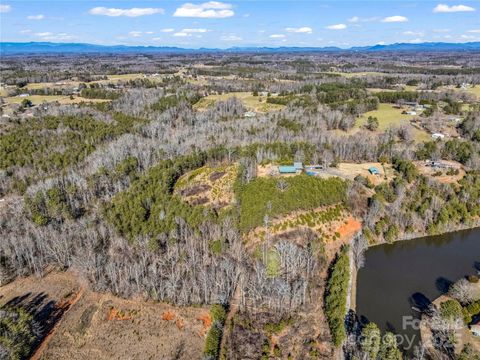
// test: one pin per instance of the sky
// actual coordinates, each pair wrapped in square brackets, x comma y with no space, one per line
[218,24]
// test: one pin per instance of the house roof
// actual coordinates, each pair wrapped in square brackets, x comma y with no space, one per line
[287,169]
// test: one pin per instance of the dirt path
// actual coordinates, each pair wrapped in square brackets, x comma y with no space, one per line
[67,305]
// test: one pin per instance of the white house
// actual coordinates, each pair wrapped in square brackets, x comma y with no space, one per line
[437,136]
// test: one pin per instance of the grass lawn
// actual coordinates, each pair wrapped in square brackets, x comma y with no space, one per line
[474,90]
[355,74]
[387,116]
[40,99]
[124,76]
[471,90]
[35,99]
[256,103]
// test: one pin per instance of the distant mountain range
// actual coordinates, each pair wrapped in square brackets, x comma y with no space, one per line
[13,48]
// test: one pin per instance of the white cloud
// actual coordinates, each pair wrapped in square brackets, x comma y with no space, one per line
[231,38]
[180,34]
[277,36]
[395,19]
[441,30]
[135,34]
[133,12]
[25,31]
[474,31]
[5,8]
[35,17]
[49,36]
[167,30]
[191,31]
[413,33]
[337,27]
[300,30]
[443,8]
[211,9]
[354,19]
[149,32]
[416,41]
[43,34]
[467,37]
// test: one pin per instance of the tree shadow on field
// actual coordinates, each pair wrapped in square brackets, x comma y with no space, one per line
[45,312]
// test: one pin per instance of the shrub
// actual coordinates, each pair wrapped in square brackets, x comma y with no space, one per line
[214,336]
[451,310]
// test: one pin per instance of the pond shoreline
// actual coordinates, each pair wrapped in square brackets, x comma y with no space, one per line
[449,259]
[410,236]
[419,235]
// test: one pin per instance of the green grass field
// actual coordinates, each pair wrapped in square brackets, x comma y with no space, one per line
[355,74]
[388,116]
[35,99]
[40,99]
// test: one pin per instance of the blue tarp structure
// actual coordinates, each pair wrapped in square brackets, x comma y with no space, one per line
[374,171]
[287,169]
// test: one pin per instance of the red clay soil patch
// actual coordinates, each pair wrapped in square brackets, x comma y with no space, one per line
[115,314]
[180,324]
[350,228]
[206,319]
[168,315]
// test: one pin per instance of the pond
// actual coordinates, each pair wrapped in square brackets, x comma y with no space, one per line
[402,278]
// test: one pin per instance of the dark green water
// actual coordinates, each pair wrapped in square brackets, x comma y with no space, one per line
[410,274]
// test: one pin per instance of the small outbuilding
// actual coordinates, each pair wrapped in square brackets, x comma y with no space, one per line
[437,136]
[250,114]
[373,170]
[287,169]
[298,165]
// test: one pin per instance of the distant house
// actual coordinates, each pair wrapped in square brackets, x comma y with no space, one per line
[409,103]
[314,167]
[411,113]
[250,114]
[24,95]
[287,169]
[437,136]
[475,329]
[298,165]
[373,170]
